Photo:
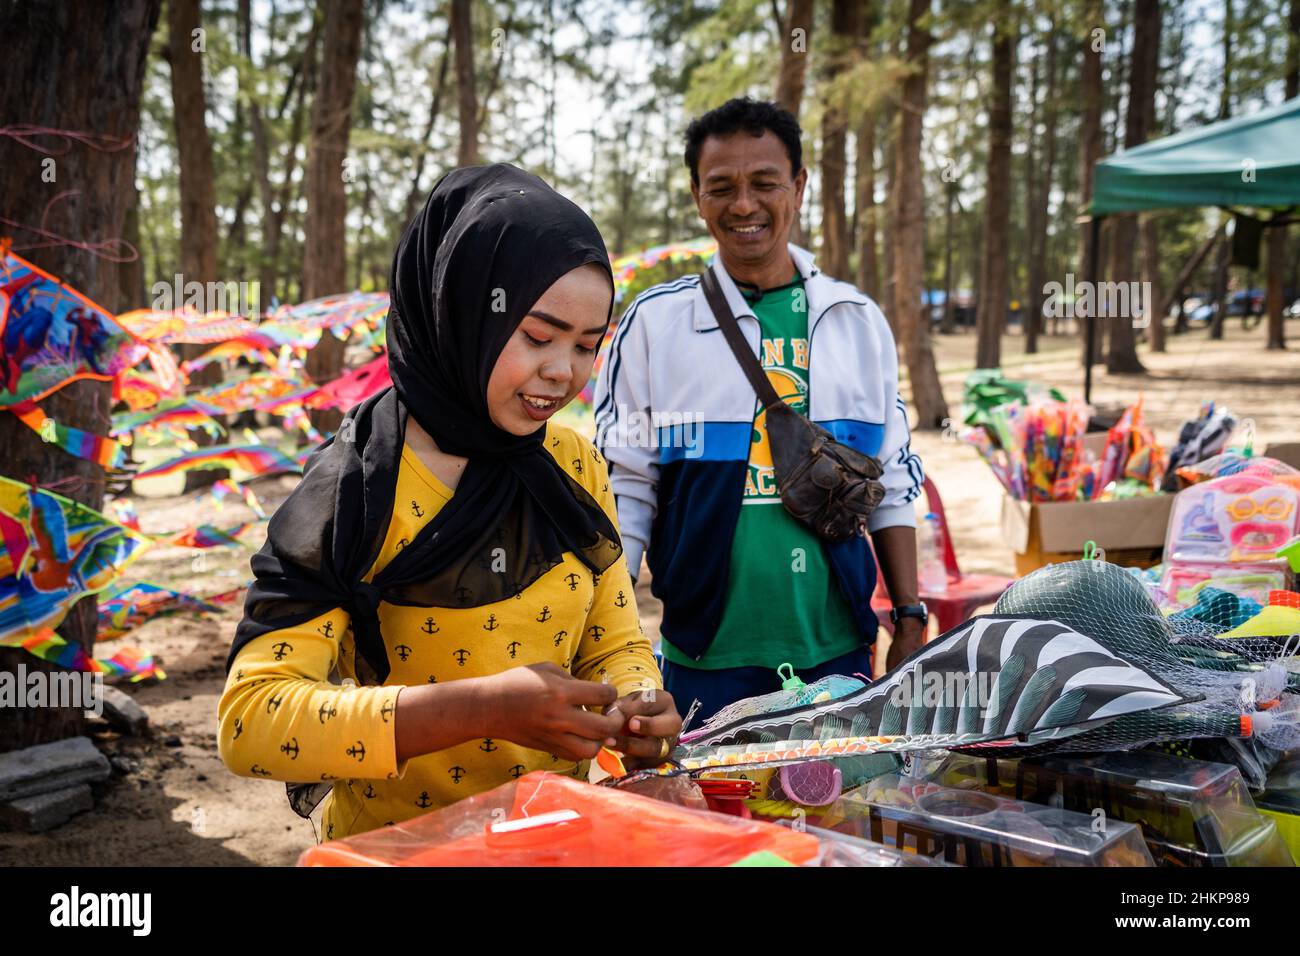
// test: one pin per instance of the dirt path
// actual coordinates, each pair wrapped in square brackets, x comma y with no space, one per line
[171,801]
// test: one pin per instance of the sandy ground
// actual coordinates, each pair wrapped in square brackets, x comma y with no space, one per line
[171,801]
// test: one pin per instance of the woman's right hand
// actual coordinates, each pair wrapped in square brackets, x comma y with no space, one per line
[540,706]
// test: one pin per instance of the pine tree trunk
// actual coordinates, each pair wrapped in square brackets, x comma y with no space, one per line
[796,34]
[1090,151]
[1033,223]
[1144,66]
[834,162]
[1276,271]
[909,231]
[328,174]
[462,29]
[868,275]
[198,195]
[75,67]
[1039,239]
[991,316]
[1151,274]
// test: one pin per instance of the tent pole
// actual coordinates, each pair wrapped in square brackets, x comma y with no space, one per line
[1090,330]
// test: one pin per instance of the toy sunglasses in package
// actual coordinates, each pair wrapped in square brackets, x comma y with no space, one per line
[1235,520]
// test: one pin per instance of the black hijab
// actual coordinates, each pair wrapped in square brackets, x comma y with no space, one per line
[488,242]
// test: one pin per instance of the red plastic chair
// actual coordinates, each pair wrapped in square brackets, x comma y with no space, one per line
[965,593]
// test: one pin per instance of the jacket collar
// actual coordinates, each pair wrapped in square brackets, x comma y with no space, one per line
[816,287]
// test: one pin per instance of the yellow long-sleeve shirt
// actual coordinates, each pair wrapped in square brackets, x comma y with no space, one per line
[281,718]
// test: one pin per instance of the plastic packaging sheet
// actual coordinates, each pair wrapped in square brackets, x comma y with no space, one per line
[545,819]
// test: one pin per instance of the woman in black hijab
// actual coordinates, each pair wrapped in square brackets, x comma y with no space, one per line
[501,291]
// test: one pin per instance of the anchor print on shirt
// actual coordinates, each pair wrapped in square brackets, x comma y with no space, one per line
[559,637]
[357,751]
[326,712]
[621,600]
[404,651]
[416,509]
[387,710]
[545,614]
[259,771]
[239,728]
[424,802]
[290,747]
[596,631]
[429,627]
[511,648]
[572,580]
[517,770]
[281,649]
[369,793]
[273,703]
[487,746]
[457,773]
[327,630]
[460,655]
[401,543]
[492,623]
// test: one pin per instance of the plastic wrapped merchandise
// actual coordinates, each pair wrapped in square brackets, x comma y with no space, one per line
[977,829]
[840,849]
[1191,812]
[545,819]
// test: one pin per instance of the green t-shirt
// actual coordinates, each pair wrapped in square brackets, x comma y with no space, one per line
[783,601]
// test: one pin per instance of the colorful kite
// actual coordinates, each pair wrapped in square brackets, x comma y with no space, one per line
[51,334]
[48,646]
[55,550]
[124,607]
[253,459]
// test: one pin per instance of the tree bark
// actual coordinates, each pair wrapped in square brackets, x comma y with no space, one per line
[462,29]
[909,231]
[868,274]
[1150,234]
[1039,239]
[1276,272]
[992,311]
[325,253]
[1033,223]
[76,67]
[1089,145]
[1144,65]
[834,162]
[794,55]
[198,196]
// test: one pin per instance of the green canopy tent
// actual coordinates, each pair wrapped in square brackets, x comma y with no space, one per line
[1251,161]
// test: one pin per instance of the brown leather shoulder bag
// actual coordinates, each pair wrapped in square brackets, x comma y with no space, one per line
[828,486]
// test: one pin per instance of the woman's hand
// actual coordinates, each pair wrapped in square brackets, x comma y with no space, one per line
[540,706]
[650,720]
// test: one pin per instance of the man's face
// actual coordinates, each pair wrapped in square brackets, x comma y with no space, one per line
[747,194]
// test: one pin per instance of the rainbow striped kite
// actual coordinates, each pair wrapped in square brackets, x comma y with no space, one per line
[55,551]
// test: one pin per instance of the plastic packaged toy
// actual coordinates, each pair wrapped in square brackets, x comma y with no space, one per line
[1191,812]
[977,829]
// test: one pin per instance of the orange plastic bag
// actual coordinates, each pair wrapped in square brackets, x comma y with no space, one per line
[545,819]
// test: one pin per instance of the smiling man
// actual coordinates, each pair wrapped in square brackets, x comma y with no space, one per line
[745,586]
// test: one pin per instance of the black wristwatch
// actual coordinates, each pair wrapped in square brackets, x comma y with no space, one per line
[919,611]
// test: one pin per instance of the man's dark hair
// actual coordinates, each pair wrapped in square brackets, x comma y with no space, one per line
[751,116]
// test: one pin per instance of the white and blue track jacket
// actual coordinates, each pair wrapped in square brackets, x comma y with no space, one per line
[674,414]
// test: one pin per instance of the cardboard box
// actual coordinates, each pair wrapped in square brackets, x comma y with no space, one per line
[1131,532]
